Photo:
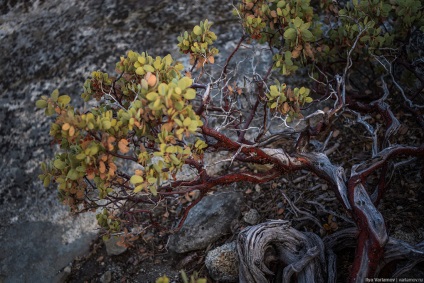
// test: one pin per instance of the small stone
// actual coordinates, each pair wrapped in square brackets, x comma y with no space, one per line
[106,277]
[336,133]
[112,247]
[252,217]
[67,270]
[222,263]
[257,188]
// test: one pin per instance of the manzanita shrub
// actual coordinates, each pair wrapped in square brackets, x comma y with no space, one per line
[151,119]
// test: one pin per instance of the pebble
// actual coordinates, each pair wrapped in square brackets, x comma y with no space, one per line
[252,217]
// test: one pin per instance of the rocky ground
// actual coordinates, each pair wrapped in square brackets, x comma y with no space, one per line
[48,44]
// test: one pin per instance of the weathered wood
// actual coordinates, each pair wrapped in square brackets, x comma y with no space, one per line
[297,253]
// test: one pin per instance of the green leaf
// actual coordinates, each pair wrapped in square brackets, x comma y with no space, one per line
[290,34]
[64,99]
[41,103]
[55,95]
[187,122]
[46,181]
[140,71]
[148,68]
[106,124]
[171,149]
[281,4]
[307,35]
[136,179]
[153,190]
[151,96]
[365,38]
[162,89]
[151,180]
[197,30]
[179,105]
[297,22]
[274,91]
[80,156]
[138,188]
[193,126]
[308,99]
[59,164]
[190,94]
[73,175]
[287,58]
[185,82]
[81,169]
[175,160]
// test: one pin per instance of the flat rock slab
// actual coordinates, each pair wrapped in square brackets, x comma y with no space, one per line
[206,222]
[35,252]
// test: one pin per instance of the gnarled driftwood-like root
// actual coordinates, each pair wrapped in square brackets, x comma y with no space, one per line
[292,251]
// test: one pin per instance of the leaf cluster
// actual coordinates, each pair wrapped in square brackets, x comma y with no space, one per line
[144,115]
[287,101]
[198,43]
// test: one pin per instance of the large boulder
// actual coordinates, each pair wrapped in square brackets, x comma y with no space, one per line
[207,221]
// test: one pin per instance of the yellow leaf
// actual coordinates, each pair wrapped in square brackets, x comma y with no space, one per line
[138,188]
[151,96]
[187,122]
[151,180]
[135,179]
[190,94]
[140,71]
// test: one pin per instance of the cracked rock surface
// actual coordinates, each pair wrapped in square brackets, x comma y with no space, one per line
[48,44]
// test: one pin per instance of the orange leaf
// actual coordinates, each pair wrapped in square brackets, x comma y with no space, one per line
[151,79]
[211,59]
[66,126]
[123,146]
[71,131]
[295,53]
[286,107]
[112,166]
[90,175]
[102,167]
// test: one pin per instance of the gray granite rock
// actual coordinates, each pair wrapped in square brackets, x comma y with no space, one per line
[207,221]
[222,263]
